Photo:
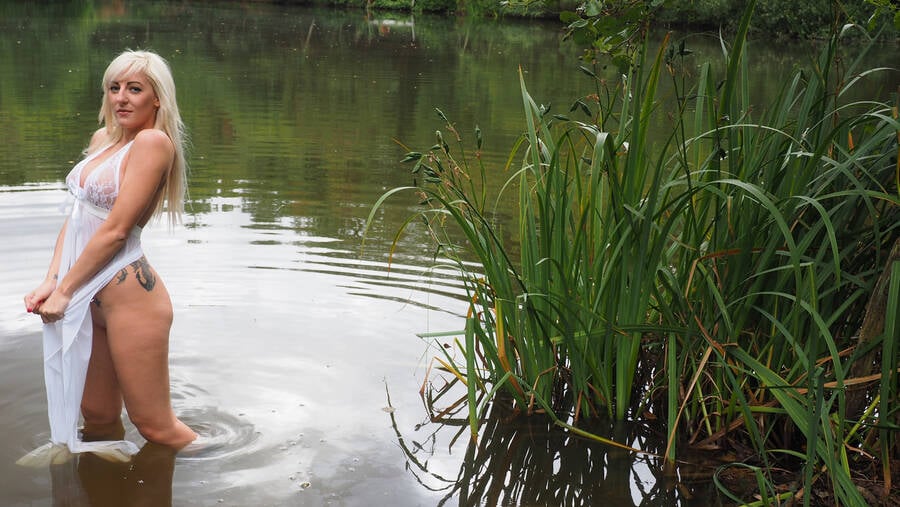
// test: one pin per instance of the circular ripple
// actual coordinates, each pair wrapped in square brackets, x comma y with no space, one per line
[220,434]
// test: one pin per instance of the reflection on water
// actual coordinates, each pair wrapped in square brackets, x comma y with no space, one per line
[91,481]
[528,461]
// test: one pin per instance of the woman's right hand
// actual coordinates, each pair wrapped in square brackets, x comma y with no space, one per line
[35,298]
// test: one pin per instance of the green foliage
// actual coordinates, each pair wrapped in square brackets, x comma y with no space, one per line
[395,5]
[717,276]
[887,10]
[435,5]
[700,13]
[780,18]
[604,25]
[611,28]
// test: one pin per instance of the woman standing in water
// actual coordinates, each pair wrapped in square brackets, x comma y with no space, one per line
[106,313]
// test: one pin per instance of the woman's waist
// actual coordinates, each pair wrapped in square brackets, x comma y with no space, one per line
[83,206]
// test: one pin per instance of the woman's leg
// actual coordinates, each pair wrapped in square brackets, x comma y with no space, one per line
[101,404]
[138,315]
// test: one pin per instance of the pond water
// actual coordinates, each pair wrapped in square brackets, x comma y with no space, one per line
[294,350]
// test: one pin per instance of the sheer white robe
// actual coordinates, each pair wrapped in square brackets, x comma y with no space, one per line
[67,342]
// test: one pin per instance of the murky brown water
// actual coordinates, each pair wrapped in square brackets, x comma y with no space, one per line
[287,340]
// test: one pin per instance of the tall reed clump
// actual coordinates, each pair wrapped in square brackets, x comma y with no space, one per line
[792,218]
[717,276]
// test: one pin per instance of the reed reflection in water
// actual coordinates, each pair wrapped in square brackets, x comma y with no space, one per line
[528,461]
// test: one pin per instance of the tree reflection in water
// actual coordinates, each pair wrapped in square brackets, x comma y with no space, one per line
[529,461]
[88,480]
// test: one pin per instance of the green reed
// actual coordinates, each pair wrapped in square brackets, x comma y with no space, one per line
[716,277]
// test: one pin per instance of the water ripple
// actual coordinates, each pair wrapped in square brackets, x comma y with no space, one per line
[221,434]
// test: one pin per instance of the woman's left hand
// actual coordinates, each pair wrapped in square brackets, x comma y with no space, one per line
[53,308]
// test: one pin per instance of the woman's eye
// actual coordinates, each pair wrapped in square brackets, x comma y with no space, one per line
[114,88]
[135,89]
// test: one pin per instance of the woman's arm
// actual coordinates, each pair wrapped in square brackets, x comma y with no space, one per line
[35,298]
[149,160]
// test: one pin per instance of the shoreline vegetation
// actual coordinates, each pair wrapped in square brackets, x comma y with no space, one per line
[780,19]
[734,285]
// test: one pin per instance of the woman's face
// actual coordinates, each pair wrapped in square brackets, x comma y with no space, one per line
[133,102]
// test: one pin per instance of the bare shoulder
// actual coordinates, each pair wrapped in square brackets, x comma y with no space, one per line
[98,136]
[154,140]
[151,150]
[98,139]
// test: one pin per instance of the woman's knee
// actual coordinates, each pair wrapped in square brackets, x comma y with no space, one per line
[100,415]
[154,429]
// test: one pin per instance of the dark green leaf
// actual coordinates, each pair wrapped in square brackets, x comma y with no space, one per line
[585,109]
[413,155]
[587,71]
[568,16]
[581,23]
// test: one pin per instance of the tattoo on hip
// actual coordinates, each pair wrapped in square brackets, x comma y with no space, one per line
[142,272]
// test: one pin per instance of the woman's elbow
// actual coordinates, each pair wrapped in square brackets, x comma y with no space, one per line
[117,236]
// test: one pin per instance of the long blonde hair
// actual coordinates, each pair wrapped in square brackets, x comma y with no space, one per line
[168,119]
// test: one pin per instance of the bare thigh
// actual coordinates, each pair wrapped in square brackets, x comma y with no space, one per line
[101,404]
[132,317]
